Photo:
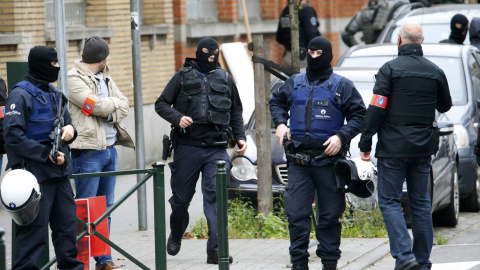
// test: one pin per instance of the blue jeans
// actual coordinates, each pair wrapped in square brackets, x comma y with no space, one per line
[392,172]
[92,161]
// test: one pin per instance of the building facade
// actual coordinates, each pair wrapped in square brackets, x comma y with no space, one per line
[170,30]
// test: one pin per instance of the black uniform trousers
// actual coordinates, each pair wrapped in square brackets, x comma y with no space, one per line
[299,195]
[57,206]
[188,162]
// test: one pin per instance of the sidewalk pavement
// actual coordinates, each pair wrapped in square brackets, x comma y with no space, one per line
[357,253]
[252,254]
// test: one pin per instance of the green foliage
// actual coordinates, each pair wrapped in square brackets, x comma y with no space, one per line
[363,224]
[441,240]
[245,223]
[199,229]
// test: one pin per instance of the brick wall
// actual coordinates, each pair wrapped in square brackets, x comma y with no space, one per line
[337,8]
[227,10]
[153,11]
[271,9]
[157,62]
[27,17]
[7,17]
[179,12]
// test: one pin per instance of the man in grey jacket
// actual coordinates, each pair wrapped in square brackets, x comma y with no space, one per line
[97,107]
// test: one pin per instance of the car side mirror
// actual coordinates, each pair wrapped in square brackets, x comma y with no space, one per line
[478,102]
[445,128]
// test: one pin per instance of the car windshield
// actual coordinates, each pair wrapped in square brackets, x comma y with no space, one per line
[451,66]
[433,33]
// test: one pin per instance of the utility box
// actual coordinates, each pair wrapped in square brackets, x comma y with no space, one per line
[16,70]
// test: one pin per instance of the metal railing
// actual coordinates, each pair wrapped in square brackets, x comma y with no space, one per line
[222,216]
[157,173]
[3,261]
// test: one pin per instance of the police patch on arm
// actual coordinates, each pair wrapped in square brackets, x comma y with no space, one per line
[379,101]
[90,101]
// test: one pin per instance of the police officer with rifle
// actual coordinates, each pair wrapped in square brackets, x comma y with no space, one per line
[202,103]
[34,110]
[319,101]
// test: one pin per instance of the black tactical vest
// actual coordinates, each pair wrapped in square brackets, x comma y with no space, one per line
[205,97]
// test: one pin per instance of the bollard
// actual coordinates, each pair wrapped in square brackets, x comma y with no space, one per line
[222,217]
[3,263]
[159,216]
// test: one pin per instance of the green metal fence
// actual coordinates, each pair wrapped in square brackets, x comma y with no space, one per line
[157,173]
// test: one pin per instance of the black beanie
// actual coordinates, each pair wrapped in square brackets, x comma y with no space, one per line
[321,63]
[95,50]
[202,58]
[459,33]
[40,61]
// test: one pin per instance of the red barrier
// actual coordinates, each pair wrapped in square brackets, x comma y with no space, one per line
[89,210]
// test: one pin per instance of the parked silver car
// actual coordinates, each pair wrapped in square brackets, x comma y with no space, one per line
[461,64]
[435,22]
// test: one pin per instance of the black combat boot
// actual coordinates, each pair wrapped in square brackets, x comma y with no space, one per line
[212,258]
[173,247]
[330,266]
[300,266]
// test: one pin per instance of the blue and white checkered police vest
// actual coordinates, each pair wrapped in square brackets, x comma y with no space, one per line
[315,111]
[40,122]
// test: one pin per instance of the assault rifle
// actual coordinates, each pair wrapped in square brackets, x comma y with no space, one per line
[58,123]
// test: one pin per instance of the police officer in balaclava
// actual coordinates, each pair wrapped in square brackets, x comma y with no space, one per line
[31,108]
[459,26]
[202,103]
[39,64]
[317,137]
[319,57]
[207,55]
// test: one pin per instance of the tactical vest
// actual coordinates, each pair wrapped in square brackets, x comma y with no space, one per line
[40,121]
[315,109]
[204,98]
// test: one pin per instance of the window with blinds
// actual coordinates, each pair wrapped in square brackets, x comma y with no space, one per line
[253,10]
[202,11]
[74,13]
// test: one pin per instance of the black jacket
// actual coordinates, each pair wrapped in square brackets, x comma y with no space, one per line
[3,98]
[207,132]
[474,32]
[352,107]
[308,27]
[22,151]
[414,87]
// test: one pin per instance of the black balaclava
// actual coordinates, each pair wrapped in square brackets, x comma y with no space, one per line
[40,61]
[319,68]
[459,34]
[202,58]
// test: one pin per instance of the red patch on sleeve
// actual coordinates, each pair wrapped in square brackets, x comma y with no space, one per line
[87,108]
[379,101]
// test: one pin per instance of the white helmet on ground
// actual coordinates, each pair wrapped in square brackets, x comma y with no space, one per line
[20,196]
[358,179]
